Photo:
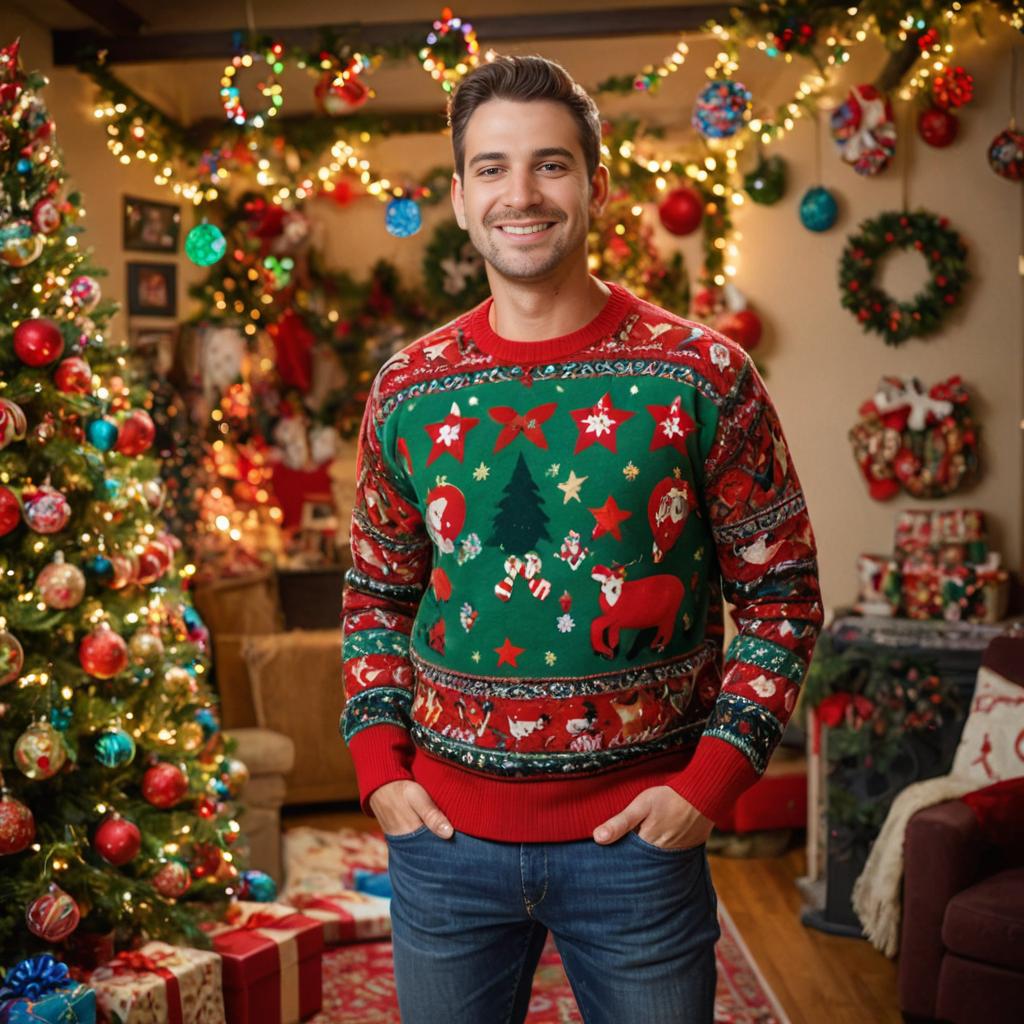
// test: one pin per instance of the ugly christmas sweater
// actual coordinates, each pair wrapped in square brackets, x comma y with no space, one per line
[541,539]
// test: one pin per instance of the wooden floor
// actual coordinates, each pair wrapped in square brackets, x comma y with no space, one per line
[818,978]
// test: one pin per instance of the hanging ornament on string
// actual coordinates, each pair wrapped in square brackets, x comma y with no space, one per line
[257,886]
[952,88]
[61,585]
[340,90]
[38,342]
[864,130]
[1006,151]
[818,207]
[84,293]
[17,825]
[682,210]
[172,879]
[73,376]
[13,425]
[205,244]
[20,245]
[12,655]
[103,652]
[114,748]
[146,647]
[136,433]
[402,217]
[10,511]
[117,840]
[46,510]
[721,109]
[937,126]
[766,183]
[102,434]
[164,784]
[46,216]
[52,916]
[39,751]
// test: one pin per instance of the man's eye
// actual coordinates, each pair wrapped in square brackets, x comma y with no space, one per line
[486,172]
[552,167]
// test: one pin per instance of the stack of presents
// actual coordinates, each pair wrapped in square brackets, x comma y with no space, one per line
[941,568]
[265,961]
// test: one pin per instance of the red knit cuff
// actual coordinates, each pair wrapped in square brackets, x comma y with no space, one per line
[382,754]
[714,778]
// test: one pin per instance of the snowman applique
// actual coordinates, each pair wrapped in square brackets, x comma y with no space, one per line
[446,515]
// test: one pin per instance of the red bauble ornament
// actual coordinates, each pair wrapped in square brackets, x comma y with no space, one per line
[53,916]
[117,840]
[743,327]
[74,376]
[937,127]
[153,562]
[38,342]
[682,210]
[163,785]
[206,860]
[46,510]
[340,92]
[952,87]
[103,653]
[136,433]
[10,511]
[173,879]
[17,826]
[46,216]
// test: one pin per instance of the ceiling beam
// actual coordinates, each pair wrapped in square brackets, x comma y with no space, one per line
[111,15]
[70,46]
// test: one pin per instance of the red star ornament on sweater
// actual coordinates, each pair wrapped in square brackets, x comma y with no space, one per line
[450,434]
[525,423]
[608,517]
[598,424]
[508,652]
[672,426]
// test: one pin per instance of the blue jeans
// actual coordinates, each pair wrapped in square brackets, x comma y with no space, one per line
[635,925]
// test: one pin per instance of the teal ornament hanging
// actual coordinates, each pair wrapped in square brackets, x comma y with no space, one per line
[818,209]
[61,717]
[100,566]
[257,886]
[766,183]
[205,244]
[403,218]
[207,718]
[114,748]
[102,434]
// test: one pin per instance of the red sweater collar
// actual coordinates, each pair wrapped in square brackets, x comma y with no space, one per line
[504,350]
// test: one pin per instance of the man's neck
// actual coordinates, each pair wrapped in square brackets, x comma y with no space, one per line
[539,310]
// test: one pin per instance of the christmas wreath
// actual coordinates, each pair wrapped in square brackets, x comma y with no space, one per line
[875,310]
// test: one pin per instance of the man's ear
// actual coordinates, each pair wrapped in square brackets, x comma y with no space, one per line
[458,201]
[600,187]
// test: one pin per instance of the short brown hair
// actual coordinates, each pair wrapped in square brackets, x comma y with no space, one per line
[524,79]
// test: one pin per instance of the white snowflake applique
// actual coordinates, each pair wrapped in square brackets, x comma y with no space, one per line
[630,472]
[634,390]
[475,655]
[550,657]
[482,472]
[565,623]
[553,470]
[599,423]
[449,433]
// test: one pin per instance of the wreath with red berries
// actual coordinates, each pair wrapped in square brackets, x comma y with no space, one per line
[876,310]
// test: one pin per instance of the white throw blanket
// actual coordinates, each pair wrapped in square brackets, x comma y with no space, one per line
[876,894]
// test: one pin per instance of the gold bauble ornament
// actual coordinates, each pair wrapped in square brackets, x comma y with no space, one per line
[145,647]
[190,736]
[177,682]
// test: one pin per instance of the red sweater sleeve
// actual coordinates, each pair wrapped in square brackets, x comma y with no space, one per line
[768,563]
[391,558]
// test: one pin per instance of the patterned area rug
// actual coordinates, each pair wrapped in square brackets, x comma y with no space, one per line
[359,986]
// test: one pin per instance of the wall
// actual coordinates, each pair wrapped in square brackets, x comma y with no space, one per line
[821,366]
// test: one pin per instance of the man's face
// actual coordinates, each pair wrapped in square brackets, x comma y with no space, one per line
[524,195]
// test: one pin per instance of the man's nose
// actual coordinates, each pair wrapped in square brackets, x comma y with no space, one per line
[523,192]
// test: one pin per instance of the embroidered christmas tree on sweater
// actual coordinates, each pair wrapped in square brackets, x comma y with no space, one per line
[541,537]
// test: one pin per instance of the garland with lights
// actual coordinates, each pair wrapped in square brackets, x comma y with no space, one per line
[876,310]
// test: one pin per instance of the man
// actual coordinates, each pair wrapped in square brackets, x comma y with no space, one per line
[553,491]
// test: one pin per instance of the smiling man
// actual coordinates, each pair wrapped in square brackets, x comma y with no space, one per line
[555,490]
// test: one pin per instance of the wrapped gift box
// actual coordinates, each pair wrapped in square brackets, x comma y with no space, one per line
[272,963]
[160,984]
[960,593]
[941,536]
[69,1003]
[347,915]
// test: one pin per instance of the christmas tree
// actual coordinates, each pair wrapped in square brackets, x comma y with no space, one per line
[521,520]
[116,811]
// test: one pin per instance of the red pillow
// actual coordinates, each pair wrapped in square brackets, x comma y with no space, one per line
[999,809]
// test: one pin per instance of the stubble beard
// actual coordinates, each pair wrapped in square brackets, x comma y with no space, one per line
[524,266]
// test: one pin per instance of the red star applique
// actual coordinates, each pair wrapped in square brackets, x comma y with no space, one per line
[598,424]
[450,434]
[672,426]
[608,517]
[508,652]
[526,423]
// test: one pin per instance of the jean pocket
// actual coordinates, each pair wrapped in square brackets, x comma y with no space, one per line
[678,852]
[406,835]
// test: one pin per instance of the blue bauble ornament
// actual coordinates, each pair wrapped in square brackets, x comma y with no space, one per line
[218,789]
[818,209]
[61,717]
[102,434]
[721,108]
[257,886]
[99,565]
[208,720]
[112,487]
[24,165]
[403,217]
[205,244]
[114,748]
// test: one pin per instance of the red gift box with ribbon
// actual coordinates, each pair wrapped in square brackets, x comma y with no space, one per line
[271,962]
[347,915]
[159,984]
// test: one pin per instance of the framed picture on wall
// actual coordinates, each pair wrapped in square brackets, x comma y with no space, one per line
[152,289]
[149,339]
[150,226]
